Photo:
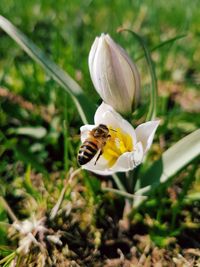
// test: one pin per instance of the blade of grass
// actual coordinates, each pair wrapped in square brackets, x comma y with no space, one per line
[5,205]
[6,260]
[164,43]
[172,161]
[66,145]
[84,106]
[30,189]
[4,249]
[153,94]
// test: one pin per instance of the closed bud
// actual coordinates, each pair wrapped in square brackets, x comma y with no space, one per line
[114,75]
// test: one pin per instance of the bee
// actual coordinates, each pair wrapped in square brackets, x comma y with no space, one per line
[93,144]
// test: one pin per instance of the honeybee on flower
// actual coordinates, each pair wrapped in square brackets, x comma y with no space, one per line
[124,149]
[94,144]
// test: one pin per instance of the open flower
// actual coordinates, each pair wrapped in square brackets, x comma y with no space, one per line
[125,147]
[114,75]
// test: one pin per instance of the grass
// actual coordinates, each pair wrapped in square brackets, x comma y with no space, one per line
[39,138]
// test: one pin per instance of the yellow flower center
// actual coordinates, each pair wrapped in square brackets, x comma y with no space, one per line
[116,145]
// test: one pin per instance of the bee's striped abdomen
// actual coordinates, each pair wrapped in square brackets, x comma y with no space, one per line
[86,152]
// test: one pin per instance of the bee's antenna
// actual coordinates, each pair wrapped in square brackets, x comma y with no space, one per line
[113,130]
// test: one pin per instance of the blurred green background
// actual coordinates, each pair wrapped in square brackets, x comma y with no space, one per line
[33,107]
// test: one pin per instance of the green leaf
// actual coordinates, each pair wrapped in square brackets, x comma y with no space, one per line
[85,107]
[154,88]
[192,197]
[36,132]
[172,161]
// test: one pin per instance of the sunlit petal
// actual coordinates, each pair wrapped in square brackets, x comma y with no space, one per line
[85,129]
[105,114]
[145,133]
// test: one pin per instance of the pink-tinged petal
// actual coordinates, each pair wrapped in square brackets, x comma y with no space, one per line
[105,114]
[145,133]
[85,129]
[132,66]
[114,75]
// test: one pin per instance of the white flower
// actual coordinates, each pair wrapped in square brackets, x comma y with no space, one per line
[126,147]
[114,75]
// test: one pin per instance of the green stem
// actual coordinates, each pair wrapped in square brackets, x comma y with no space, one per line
[118,183]
[122,193]
[132,178]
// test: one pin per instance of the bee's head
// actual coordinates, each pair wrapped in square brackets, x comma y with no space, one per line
[101,131]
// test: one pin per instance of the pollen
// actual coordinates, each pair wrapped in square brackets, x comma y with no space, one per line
[119,143]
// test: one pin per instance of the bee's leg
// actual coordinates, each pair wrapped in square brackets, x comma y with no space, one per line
[100,153]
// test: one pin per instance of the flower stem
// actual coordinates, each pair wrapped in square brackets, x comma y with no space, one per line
[131,178]
[122,193]
[118,183]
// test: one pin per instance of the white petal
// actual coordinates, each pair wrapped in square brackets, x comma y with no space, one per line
[104,172]
[138,154]
[129,69]
[145,133]
[129,160]
[92,56]
[105,114]
[96,58]
[133,86]
[123,163]
[101,166]
[85,129]
[93,52]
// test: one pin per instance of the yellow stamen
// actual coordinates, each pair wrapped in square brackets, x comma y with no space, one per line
[116,145]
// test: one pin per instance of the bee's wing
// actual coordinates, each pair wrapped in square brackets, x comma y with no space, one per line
[99,153]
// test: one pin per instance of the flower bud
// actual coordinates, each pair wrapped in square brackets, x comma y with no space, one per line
[114,75]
